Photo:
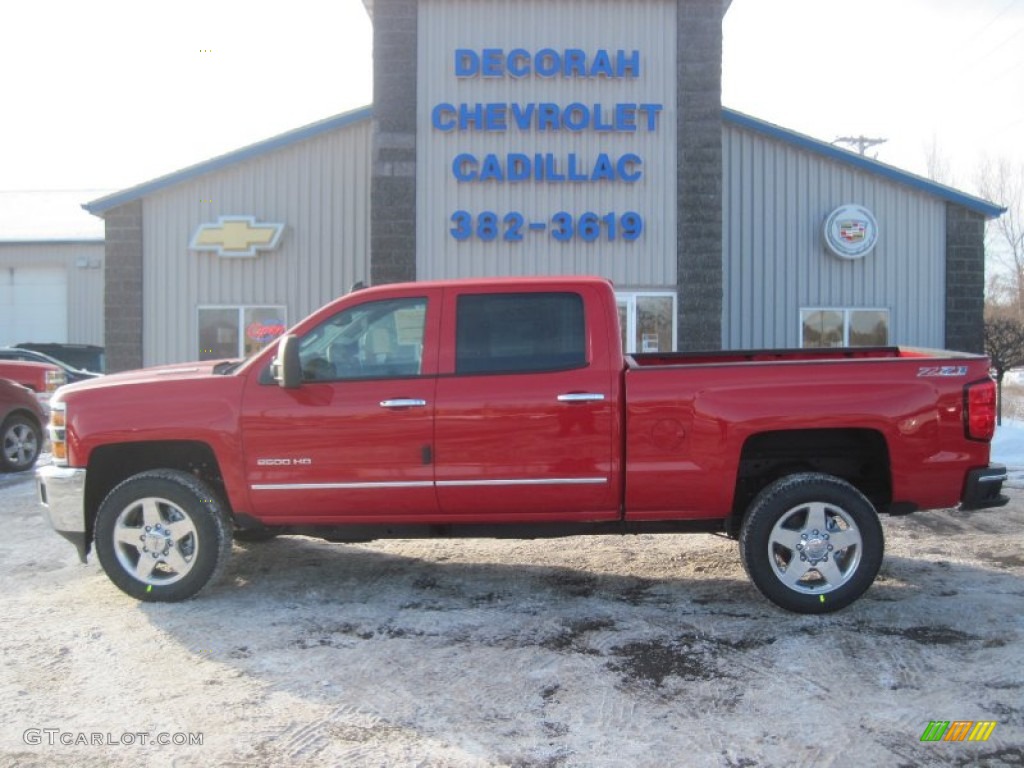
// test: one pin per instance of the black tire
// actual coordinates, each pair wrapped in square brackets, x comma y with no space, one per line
[822,528]
[21,440]
[162,536]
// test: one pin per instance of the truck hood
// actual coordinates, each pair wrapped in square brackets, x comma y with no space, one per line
[160,373]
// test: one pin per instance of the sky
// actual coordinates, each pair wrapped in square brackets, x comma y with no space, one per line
[947,74]
[111,93]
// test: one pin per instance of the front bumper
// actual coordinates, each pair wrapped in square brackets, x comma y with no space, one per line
[983,488]
[62,494]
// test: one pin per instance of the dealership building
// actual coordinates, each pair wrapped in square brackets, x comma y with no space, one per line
[548,137]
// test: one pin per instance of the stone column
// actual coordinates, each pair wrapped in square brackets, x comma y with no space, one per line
[965,279]
[122,324]
[699,173]
[393,177]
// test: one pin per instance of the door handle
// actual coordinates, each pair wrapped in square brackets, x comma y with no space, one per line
[581,397]
[403,402]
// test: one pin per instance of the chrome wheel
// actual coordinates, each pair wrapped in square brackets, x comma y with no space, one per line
[155,541]
[163,535]
[21,445]
[22,440]
[811,543]
[815,548]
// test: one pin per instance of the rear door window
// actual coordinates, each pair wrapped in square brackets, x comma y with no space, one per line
[519,333]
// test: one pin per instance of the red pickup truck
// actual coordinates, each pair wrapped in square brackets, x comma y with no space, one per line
[506,408]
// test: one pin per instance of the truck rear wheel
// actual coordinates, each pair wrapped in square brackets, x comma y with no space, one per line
[162,536]
[812,543]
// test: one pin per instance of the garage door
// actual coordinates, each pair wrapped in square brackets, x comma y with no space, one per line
[33,304]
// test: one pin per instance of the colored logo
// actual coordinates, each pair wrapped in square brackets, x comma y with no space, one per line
[958,730]
[237,236]
[851,231]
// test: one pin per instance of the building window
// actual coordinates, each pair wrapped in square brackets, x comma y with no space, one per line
[647,321]
[844,327]
[235,332]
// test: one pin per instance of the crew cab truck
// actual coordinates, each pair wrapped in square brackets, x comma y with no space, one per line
[506,408]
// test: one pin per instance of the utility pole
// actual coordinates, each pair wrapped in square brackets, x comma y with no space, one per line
[862,143]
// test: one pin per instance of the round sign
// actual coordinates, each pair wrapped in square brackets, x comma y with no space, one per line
[851,231]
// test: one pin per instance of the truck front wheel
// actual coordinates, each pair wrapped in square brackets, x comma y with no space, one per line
[811,543]
[163,535]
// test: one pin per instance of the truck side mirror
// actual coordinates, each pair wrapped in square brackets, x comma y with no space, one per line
[286,368]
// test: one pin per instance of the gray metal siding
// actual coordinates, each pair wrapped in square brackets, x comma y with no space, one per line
[318,188]
[648,26]
[83,266]
[775,201]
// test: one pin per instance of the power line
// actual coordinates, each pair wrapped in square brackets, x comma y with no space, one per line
[963,45]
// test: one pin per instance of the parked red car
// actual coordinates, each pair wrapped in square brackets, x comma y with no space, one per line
[41,378]
[21,427]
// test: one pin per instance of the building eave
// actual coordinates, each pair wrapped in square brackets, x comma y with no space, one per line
[101,205]
[978,205]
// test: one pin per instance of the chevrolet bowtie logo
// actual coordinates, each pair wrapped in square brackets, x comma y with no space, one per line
[237,236]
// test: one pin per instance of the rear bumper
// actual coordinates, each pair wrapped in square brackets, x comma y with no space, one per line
[62,494]
[983,488]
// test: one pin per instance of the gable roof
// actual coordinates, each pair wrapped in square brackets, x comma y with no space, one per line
[804,142]
[103,204]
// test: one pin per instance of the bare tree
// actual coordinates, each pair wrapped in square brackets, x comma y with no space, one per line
[1004,344]
[937,164]
[1002,182]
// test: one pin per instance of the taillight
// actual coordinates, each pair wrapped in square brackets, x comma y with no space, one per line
[58,434]
[980,410]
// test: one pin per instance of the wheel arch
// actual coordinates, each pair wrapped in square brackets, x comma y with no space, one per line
[857,455]
[109,465]
[27,413]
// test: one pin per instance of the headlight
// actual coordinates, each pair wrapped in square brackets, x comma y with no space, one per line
[58,433]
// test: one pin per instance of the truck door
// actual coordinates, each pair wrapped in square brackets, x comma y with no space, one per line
[527,408]
[354,442]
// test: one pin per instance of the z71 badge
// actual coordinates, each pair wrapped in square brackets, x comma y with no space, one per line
[942,370]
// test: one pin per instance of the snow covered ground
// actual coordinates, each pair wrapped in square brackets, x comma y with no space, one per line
[604,652]
[1008,449]
[1008,445]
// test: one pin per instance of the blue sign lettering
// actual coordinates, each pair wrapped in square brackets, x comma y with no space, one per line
[547,62]
[517,166]
[575,117]
[545,116]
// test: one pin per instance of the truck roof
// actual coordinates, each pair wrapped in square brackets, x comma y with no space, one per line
[550,281]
